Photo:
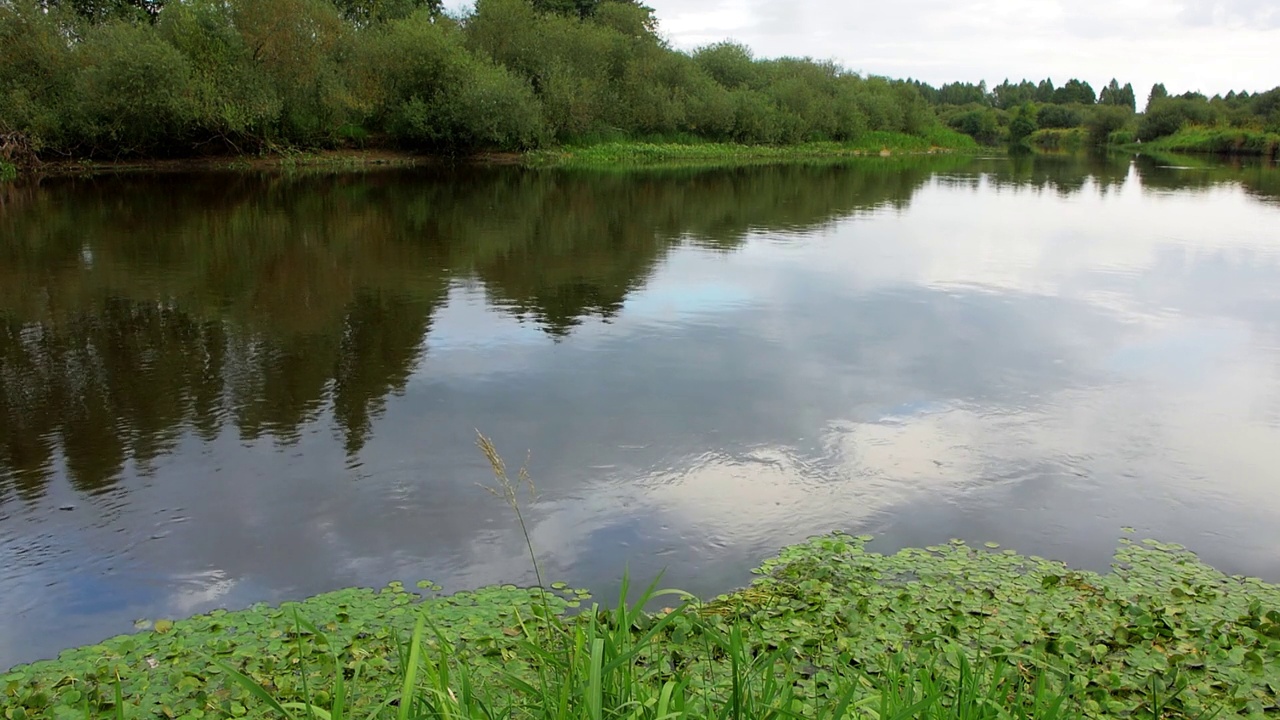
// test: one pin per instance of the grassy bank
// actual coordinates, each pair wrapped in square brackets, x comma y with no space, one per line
[1218,141]
[643,154]
[604,155]
[828,629]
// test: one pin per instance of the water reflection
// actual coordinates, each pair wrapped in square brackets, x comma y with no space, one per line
[257,387]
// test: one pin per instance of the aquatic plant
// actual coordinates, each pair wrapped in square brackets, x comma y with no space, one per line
[828,627]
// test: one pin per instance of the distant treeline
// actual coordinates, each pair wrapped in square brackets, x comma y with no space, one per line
[120,78]
[1040,113]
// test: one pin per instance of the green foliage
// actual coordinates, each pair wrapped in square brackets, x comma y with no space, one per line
[1220,140]
[1059,116]
[1158,93]
[435,94]
[134,91]
[827,627]
[1057,138]
[230,99]
[1105,120]
[143,78]
[251,75]
[1022,124]
[37,73]
[1118,96]
[362,13]
[1074,91]
[108,10]
[627,155]
[1168,115]
[980,123]
[729,64]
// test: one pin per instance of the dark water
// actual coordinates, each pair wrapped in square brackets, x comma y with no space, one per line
[219,389]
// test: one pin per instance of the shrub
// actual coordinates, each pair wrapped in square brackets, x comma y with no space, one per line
[134,90]
[1168,115]
[1058,116]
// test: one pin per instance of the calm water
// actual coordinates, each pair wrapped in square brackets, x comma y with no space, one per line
[223,388]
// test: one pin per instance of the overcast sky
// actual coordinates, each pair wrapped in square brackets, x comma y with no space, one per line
[1206,45]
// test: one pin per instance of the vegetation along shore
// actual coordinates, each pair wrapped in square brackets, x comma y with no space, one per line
[132,80]
[828,629]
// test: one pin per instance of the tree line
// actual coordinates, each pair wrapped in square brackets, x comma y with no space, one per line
[111,78]
[154,78]
[1014,112]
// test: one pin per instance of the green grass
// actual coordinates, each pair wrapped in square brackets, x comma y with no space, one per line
[629,154]
[1220,141]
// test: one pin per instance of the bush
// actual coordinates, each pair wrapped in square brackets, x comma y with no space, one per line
[978,123]
[36,74]
[436,94]
[1105,120]
[230,99]
[134,91]
[1168,115]
[1022,124]
[1059,116]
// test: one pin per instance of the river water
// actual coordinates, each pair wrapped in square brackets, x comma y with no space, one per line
[223,388]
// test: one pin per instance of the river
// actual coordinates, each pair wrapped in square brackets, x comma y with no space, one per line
[224,388]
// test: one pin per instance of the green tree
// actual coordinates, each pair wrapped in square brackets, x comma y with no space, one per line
[728,63]
[1104,120]
[1022,124]
[1117,96]
[135,90]
[1168,115]
[1045,91]
[1157,93]
[1075,91]
[366,12]
[97,11]
[1059,116]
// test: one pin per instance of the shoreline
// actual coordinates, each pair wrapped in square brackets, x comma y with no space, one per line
[620,155]
[829,606]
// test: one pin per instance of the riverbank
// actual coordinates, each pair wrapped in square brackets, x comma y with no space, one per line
[625,155]
[826,626]
[622,155]
[1215,141]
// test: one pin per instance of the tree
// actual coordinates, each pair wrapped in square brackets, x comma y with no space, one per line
[1168,115]
[1127,98]
[1157,93]
[97,11]
[1008,96]
[1022,124]
[1058,116]
[366,12]
[1044,91]
[1105,120]
[582,9]
[1075,91]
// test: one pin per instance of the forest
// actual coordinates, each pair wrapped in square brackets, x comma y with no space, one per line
[113,79]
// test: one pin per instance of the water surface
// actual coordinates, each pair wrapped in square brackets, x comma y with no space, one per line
[218,389]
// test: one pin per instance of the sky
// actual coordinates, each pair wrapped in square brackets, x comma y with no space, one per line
[1207,45]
